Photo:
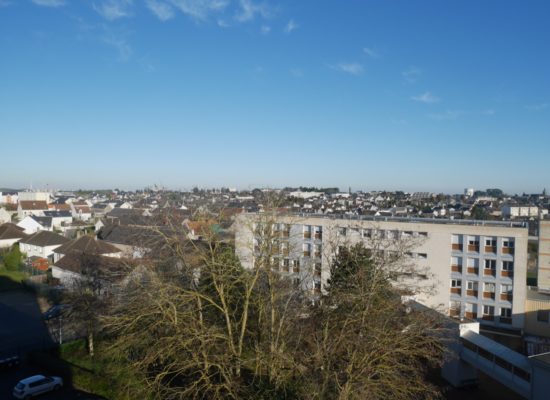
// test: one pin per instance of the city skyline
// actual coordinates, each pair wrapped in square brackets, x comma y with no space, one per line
[408,96]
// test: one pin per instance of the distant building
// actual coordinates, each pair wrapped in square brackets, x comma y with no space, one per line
[478,269]
[520,211]
[34,196]
[469,192]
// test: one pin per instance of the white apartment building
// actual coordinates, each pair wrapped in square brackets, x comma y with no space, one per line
[477,269]
[520,211]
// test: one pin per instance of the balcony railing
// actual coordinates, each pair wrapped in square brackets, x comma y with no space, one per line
[490,249]
[506,296]
[508,274]
[507,250]
[453,312]
[456,268]
[457,246]
[317,254]
[488,317]
[318,235]
[296,269]
[489,272]
[472,270]
[307,235]
[473,247]
[488,295]
[470,315]
[456,290]
[307,253]
[286,233]
[471,292]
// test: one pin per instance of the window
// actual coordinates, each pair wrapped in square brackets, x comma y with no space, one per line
[367,233]
[422,256]
[506,312]
[490,264]
[506,289]
[456,261]
[342,231]
[307,249]
[490,242]
[423,234]
[318,232]
[456,283]
[473,241]
[473,262]
[508,243]
[286,262]
[488,310]
[489,287]
[296,263]
[307,231]
[543,316]
[471,285]
[507,265]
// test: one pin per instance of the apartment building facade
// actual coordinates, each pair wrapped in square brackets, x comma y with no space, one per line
[467,269]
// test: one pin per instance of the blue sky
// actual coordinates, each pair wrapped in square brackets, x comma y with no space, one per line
[411,95]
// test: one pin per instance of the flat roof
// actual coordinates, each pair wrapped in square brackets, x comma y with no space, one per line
[499,350]
[419,220]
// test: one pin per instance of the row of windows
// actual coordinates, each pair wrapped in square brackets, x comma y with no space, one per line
[487,263]
[487,310]
[489,241]
[487,286]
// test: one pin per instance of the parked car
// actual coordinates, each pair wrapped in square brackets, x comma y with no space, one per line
[35,385]
[55,311]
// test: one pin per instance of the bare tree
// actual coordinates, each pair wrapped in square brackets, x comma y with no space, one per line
[202,326]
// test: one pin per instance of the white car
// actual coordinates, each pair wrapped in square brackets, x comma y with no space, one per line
[35,385]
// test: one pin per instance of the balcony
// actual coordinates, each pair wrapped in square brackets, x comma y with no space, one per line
[286,268]
[296,269]
[488,272]
[286,252]
[505,320]
[318,235]
[470,315]
[307,235]
[286,233]
[488,295]
[456,290]
[507,250]
[473,248]
[453,312]
[457,246]
[507,274]
[456,268]
[317,254]
[488,318]
[472,270]
[471,292]
[317,273]
[506,296]
[307,253]
[490,249]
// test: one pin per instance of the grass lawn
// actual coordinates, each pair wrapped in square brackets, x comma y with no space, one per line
[100,375]
[11,280]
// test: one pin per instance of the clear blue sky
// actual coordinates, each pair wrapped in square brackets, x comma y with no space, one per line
[411,95]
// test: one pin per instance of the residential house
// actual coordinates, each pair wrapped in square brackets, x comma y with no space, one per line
[88,245]
[108,271]
[59,218]
[42,244]
[81,211]
[32,224]
[10,234]
[31,207]
[4,216]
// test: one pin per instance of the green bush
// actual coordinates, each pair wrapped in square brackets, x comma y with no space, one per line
[13,260]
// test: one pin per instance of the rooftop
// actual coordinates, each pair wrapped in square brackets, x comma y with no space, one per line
[446,221]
